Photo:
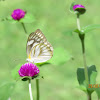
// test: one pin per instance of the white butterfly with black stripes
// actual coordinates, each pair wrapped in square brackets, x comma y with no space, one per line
[38,48]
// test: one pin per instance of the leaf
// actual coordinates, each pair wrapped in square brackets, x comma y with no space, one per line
[78,31]
[90,28]
[9,19]
[42,64]
[92,81]
[71,7]
[60,56]
[98,91]
[6,90]
[92,73]
[93,77]
[29,18]
[15,73]
[83,88]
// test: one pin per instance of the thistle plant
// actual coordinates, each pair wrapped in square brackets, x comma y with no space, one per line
[86,76]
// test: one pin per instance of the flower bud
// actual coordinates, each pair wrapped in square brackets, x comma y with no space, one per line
[79,8]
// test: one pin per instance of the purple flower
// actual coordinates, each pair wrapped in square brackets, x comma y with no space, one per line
[17,14]
[28,69]
[80,8]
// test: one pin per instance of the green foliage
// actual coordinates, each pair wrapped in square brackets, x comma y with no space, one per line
[6,90]
[60,56]
[10,19]
[98,91]
[92,74]
[42,64]
[28,18]
[71,7]
[83,88]
[78,31]
[87,29]
[90,28]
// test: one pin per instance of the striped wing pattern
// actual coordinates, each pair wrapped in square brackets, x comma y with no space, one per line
[38,48]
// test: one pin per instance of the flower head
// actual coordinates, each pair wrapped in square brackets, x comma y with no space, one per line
[17,14]
[28,69]
[80,8]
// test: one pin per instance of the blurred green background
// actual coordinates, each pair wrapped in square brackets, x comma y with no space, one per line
[55,20]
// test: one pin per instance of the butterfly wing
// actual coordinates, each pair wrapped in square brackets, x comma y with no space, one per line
[38,48]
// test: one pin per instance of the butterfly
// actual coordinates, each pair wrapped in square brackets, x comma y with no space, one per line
[38,48]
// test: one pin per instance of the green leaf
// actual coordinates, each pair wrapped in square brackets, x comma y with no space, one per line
[15,73]
[71,6]
[98,91]
[78,31]
[90,28]
[29,18]
[83,88]
[42,64]
[92,81]
[93,77]
[6,90]
[10,19]
[60,56]
[92,73]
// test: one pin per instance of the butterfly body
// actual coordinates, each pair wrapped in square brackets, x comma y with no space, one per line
[38,48]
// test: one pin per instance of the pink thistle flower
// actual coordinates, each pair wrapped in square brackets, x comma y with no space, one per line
[28,69]
[80,8]
[17,14]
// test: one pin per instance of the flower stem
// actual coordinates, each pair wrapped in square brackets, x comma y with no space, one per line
[78,22]
[37,88]
[89,96]
[30,90]
[84,60]
[24,27]
[82,37]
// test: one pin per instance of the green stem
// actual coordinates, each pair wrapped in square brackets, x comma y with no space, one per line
[84,60]
[30,90]
[24,27]
[37,88]
[78,22]
[89,96]
[82,37]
